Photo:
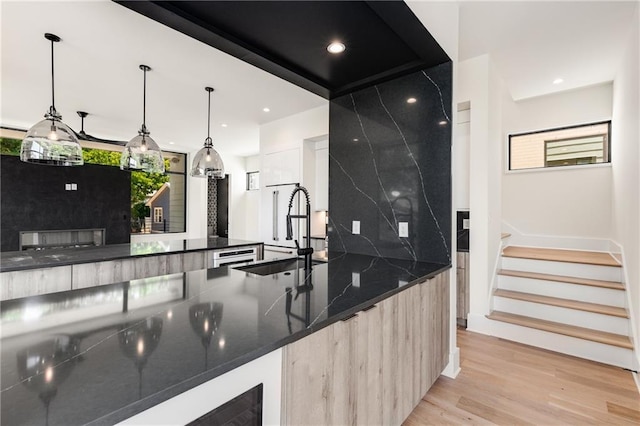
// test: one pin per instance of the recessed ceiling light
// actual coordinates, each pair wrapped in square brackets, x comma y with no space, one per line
[266,109]
[336,47]
[172,143]
[355,139]
[224,124]
[558,81]
[412,100]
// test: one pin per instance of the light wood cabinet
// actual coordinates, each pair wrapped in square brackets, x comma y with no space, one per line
[462,287]
[373,368]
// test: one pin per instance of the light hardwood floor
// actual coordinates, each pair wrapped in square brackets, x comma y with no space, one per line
[508,383]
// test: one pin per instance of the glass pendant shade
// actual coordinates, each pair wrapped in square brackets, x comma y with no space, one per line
[207,162]
[51,142]
[142,153]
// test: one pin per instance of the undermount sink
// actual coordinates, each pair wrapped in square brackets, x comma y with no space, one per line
[270,268]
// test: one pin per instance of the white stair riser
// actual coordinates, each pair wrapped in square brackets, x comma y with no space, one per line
[575,317]
[582,293]
[587,349]
[595,272]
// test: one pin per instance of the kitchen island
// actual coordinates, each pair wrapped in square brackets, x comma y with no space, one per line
[101,355]
[34,272]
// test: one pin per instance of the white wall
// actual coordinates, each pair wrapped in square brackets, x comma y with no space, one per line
[572,201]
[625,158]
[289,132]
[479,84]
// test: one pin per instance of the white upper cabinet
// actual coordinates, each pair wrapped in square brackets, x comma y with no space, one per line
[281,167]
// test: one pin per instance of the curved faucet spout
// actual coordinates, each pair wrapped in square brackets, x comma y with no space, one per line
[308,250]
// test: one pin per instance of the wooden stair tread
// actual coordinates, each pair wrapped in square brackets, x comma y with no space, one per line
[564,329]
[563,303]
[504,235]
[561,255]
[563,279]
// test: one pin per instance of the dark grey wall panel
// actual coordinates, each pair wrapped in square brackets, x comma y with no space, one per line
[33,198]
[390,162]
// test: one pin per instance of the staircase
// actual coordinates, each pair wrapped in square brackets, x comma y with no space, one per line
[568,301]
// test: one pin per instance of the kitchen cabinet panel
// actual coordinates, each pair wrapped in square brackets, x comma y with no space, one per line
[32,282]
[319,373]
[373,368]
[281,167]
[462,285]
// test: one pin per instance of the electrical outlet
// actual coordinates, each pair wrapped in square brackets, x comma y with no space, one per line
[355,279]
[355,227]
[67,187]
[403,229]
[74,186]
[465,223]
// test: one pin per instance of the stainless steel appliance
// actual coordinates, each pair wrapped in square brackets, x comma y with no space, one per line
[234,256]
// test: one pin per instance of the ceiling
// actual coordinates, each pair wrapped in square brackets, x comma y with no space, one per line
[383,39]
[531,43]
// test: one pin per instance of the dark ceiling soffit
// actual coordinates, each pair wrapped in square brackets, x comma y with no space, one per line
[408,27]
[400,20]
[192,26]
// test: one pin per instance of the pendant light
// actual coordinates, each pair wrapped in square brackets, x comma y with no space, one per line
[207,161]
[50,141]
[142,153]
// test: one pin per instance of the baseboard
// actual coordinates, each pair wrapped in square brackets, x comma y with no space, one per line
[453,367]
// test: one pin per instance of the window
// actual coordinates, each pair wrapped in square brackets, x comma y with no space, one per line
[567,146]
[253,181]
[143,185]
[157,214]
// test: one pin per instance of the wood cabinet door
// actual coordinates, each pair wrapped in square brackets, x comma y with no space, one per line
[318,383]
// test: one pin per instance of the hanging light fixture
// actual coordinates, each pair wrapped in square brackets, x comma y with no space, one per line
[207,161]
[50,141]
[142,153]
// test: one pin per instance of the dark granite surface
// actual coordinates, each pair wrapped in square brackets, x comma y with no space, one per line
[390,162]
[101,355]
[32,259]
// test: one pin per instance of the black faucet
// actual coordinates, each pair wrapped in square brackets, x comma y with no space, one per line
[308,250]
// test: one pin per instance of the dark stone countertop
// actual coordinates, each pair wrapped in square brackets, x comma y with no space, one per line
[33,259]
[103,354]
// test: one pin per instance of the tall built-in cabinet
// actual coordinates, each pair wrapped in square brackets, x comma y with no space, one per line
[372,368]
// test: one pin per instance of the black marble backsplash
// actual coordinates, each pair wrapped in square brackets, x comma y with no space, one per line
[390,162]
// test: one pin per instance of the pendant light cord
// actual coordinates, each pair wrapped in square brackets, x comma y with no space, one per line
[209,119]
[53,93]
[144,99]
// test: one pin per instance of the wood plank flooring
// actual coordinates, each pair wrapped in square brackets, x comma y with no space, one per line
[557,255]
[507,383]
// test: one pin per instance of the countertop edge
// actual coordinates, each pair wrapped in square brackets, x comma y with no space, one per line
[121,257]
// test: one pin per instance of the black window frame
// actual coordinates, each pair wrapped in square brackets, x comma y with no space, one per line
[606,148]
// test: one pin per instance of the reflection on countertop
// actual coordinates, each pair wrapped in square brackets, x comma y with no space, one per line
[103,354]
[30,259]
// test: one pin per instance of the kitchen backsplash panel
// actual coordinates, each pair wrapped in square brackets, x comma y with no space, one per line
[35,198]
[390,162]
